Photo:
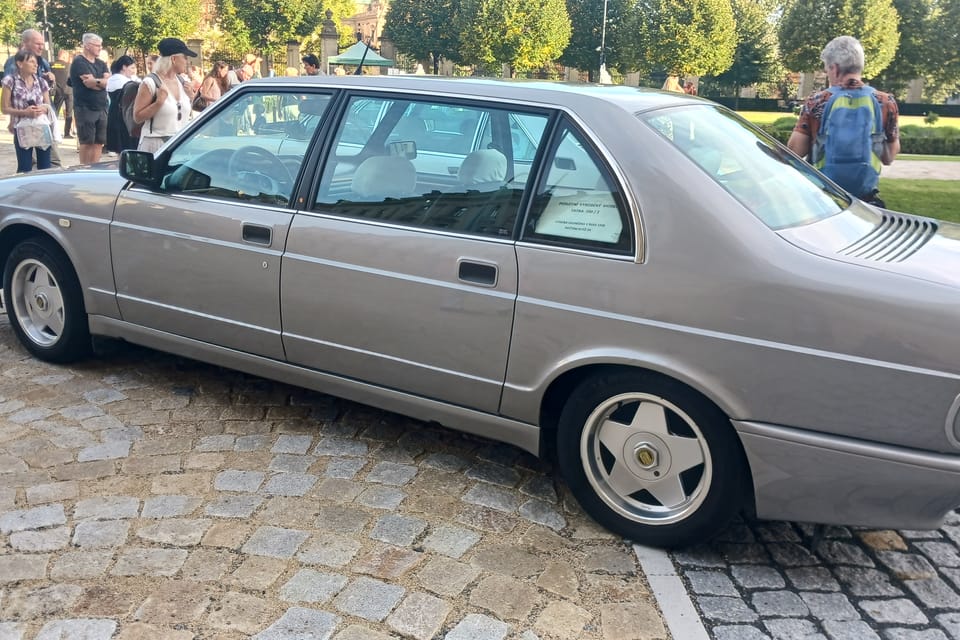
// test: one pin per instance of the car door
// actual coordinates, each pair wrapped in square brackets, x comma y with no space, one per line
[401,277]
[199,256]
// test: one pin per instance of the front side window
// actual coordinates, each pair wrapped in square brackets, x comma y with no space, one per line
[457,167]
[578,203]
[252,150]
[777,187]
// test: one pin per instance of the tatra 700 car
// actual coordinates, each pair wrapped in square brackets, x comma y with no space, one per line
[686,317]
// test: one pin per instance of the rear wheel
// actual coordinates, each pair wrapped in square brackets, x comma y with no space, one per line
[650,459]
[44,302]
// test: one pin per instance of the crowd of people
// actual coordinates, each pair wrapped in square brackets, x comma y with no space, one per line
[88,93]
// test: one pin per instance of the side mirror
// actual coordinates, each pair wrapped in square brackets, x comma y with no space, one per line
[138,167]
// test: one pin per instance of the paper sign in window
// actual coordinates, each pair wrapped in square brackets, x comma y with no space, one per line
[582,217]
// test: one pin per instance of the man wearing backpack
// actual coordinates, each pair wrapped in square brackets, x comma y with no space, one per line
[849,129]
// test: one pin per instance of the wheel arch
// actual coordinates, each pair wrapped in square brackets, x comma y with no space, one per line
[560,388]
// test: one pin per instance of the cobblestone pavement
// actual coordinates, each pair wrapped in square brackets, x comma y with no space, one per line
[761,580]
[148,496]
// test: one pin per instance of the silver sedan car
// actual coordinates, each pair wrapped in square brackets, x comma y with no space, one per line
[690,320]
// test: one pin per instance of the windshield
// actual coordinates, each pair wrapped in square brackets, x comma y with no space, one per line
[778,188]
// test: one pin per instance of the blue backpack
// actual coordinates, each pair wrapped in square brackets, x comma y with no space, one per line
[850,140]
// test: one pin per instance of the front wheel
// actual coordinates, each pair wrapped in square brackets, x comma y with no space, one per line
[44,302]
[650,459]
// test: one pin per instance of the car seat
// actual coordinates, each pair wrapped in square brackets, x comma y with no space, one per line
[382,177]
[483,170]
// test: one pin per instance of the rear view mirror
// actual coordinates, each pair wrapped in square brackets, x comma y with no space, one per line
[138,167]
[566,164]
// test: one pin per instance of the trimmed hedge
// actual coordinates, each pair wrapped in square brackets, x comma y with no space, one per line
[937,141]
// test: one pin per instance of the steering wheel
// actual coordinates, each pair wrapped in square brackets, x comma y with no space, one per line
[258,171]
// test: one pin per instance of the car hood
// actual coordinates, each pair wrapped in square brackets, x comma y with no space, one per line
[901,243]
[85,190]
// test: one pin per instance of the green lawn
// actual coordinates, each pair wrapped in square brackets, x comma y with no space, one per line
[769,117]
[918,156]
[933,198]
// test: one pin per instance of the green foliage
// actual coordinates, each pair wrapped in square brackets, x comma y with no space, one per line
[687,37]
[931,118]
[264,26]
[808,25]
[918,37]
[525,34]
[586,18]
[12,16]
[423,29]
[914,139]
[149,21]
[70,19]
[756,58]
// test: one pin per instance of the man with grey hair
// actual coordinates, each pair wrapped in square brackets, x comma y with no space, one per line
[849,129]
[88,77]
[33,41]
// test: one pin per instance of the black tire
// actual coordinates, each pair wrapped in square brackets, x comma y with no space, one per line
[650,459]
[44,302]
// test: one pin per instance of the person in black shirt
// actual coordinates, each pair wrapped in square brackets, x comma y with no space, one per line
[88,77]
[64,94]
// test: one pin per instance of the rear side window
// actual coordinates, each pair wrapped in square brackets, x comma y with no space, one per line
[578,204]
[436,165]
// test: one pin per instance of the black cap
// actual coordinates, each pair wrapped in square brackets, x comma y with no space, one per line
[173,46]
[311,60]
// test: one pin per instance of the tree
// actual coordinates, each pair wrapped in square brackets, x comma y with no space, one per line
[686,37]
[755,58]
[586,18]
[149,21]
[263,25]
[808,25]
[70,19]
[425,29]
[12,16]
[526,34]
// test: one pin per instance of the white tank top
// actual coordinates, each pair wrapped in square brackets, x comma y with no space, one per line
[164,123]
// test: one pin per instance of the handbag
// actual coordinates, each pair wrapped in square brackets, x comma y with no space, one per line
[199,102]
[34,132]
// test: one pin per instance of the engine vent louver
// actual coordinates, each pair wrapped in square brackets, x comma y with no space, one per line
[895,239]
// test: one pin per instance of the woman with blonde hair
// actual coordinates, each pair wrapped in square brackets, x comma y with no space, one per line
[164,109]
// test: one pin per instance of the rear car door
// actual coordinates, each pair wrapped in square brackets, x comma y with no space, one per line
[199,256]
[404,273]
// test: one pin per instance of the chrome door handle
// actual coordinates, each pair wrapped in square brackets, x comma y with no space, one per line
[480,273]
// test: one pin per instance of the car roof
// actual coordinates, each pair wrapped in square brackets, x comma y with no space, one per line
[573,95]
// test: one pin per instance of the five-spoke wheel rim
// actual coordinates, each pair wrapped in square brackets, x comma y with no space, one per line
[37,302]
[646,458]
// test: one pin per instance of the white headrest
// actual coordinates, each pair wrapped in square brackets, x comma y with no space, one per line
[483,165]
[384,176]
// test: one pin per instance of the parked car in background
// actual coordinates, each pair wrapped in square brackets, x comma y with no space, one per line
[688,318]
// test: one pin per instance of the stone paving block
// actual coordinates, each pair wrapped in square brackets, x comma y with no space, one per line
[103,396]
[478,627]
[540,487]
[380,497]
[508,560]
[778,603]
[181,484]
[240,481]
[734,632]
[174,602]
[357,632]
[169,506]
[143,631]
[392,473]
[419,616]
[219,442]
[544,513]
[711,583]
[744,553]
[792,629]
[52,492]
[387,562]
[258,572]
[494,474]
[398,529]
[757,577]
[934,593]
[292,444]
[43,603]
[15,567]
[239,613]
[342,519]
[207,565]
[40,541]
[36,518]
[907,566]
[226,534]
[305,624]
[163,446]
[855,630]
[343,491]
[830,606]
[631,621]
[792,555]
[329,550]
[446,577]
[505,597]
[12,631]
[450,541]
[951,623]
[335,446]
[610,561]
[312,586]
[291,463]
[369,599]
[866,582]
[275,542]
[8,499]
[895,611]
[101,534]
[107,508]
[563,620]
[493,497]
[207,461]
[151,465]
[85,470]
[941,554]
[559,578]
[77,629]
[149,562]
[816,578]
[177,532]
[233,506]
[346,468]
[112,450]
[290,484]
[841,553]
[726,609]
[80,565]
[444,462]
